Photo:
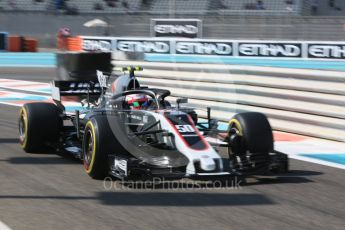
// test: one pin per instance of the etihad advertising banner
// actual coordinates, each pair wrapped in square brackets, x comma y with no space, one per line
[104,44]
[205,47]
[212,47]
[183,28]
[263,49]
[326,50]
[143,46]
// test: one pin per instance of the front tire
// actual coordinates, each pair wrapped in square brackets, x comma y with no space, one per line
[250,143]
[99,142]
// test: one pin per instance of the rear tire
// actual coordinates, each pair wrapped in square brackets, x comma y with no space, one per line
[39,125]
[250,142]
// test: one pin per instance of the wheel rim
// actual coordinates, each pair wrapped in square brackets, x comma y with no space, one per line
[236,137]
[89,143]
[22,129]
[236,149]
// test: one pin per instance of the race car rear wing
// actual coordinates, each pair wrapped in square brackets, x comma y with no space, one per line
[75,88]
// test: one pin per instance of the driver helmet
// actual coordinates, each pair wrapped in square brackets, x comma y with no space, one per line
[138,101]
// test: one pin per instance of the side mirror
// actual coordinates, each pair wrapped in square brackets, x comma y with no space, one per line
[181,101]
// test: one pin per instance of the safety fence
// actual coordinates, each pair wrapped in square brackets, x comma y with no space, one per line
[307,102]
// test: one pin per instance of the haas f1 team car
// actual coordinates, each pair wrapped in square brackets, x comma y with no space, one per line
[127,130]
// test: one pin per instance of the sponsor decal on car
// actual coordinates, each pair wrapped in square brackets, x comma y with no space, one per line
[121,166]
[102,79]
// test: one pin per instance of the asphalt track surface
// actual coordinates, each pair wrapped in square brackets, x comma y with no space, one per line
[49,191]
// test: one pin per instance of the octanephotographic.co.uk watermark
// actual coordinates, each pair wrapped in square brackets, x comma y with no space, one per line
[111,184]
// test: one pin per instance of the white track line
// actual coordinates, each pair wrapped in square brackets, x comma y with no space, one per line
[4,226]
[12,104]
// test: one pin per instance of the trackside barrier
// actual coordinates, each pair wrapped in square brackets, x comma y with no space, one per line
[312,50]
[307,102]
[22,44]
[15,44]
[3,41]
[30,45]
[70,43]
[74,44]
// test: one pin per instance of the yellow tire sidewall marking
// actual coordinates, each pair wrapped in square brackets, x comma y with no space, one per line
[237,126]
[90,125]
[25,118]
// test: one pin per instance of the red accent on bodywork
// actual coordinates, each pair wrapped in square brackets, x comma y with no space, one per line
[113,87]
[70,98]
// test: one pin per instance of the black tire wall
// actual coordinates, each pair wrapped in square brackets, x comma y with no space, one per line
[3,41]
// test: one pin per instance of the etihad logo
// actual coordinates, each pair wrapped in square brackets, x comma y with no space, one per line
[97,45]
[326,51]
[176,29]
[269,50]
[210,48]
[143,46]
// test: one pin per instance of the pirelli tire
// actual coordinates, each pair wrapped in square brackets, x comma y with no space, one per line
[250,143]
[39,126]
[98,142]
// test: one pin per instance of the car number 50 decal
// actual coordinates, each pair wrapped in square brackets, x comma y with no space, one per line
[185,128]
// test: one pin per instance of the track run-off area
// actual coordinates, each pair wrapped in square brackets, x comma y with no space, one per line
[49,191]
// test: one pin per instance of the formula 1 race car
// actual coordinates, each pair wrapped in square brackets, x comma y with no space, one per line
[129,131]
